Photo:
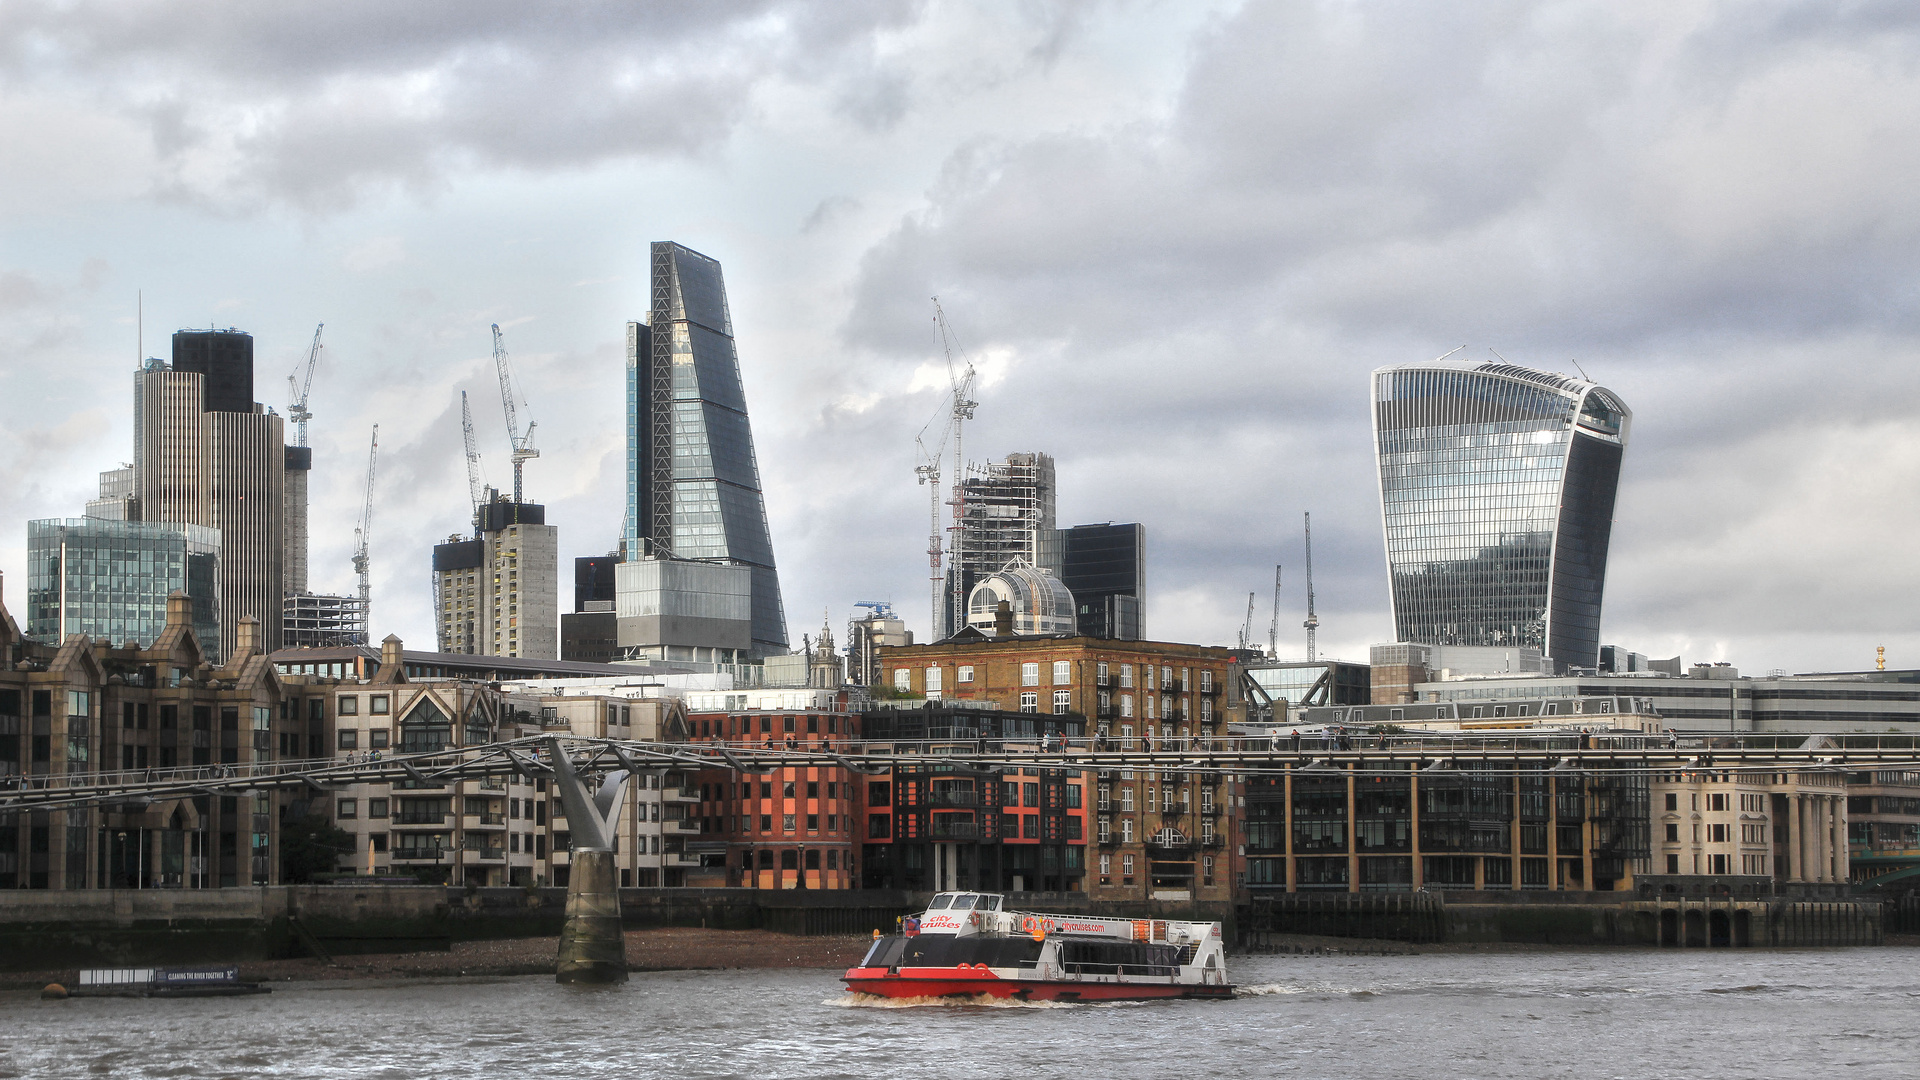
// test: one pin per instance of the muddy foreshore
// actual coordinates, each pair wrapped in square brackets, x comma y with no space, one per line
[666,949]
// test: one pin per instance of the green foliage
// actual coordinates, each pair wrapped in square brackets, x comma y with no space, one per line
[311,845]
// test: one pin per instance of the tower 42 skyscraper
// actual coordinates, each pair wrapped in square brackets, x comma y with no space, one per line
[693,484]
[1497,488]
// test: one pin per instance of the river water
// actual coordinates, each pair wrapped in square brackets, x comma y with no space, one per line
[1615,1013]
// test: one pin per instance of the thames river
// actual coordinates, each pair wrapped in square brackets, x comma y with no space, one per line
[1635,1014]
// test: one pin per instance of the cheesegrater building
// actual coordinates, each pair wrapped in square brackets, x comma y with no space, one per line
[1497,488]
[693,484]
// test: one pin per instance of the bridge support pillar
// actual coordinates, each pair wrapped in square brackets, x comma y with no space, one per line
[593,948]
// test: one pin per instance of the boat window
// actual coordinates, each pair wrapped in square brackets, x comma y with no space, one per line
[940,902]
[990,903]
[962,903]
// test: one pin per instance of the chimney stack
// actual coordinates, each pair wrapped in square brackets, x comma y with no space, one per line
[1003,619]
[246,633]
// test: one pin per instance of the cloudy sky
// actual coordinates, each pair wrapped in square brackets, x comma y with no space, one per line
[1174,237]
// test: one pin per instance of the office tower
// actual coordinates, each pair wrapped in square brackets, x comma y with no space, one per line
[1105,568]
[693,483]
[590,632]
[116,501]
[678,609]
[206,454]
[111,579]
[1497,489]
[1005,513]
[498,593]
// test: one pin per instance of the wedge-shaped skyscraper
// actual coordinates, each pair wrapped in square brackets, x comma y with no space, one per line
[1497,488]
[693,484]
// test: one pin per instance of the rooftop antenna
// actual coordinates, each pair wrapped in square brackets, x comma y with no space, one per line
[1273,628]
[1313,621]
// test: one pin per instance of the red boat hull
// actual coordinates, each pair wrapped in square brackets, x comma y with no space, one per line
[972,982]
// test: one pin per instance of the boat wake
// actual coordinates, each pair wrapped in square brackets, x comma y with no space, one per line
[985,1001]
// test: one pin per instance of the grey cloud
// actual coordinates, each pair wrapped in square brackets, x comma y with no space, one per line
[1344,187]
[317,104]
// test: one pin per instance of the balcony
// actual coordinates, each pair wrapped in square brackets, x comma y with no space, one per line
[418,854]
[493,784]
[1209,809]
[953,830]
[419,817]
[680,794]
[1209,689]
[1106,712]
[485,821]
[679,858]
[495,853]
[683,825]
[953,797]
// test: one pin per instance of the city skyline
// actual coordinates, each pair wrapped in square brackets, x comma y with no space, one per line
[1717,241]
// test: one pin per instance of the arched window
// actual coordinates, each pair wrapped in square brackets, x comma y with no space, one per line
[425,729]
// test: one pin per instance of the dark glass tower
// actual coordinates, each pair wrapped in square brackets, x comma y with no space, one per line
[693,484]
[1497,487]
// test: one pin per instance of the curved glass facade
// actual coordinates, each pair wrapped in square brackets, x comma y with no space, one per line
[1497,488]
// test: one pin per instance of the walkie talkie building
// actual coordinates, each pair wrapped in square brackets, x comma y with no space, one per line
[693,484]
[1497,488]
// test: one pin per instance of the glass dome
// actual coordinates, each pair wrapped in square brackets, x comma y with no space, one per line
[1040,603]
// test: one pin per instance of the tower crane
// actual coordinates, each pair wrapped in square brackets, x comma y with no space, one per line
[1246,628]
[957,408]
[1273,628]
[523,450]
[1313,621]
[475,492]
[363,533]
[299,387]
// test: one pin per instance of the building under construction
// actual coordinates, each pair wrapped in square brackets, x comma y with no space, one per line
[1004,512]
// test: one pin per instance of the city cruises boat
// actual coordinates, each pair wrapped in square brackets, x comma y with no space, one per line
[966,944]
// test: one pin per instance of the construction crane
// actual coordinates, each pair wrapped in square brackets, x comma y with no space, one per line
[475,491]
[363,534]
[1273,628]
[523,450]
[956,408]
[1246,628]
[299,387]
[1313,621]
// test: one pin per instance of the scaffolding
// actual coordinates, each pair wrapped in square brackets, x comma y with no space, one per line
[1003,511]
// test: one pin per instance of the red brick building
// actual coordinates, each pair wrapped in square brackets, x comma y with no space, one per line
[1154,835]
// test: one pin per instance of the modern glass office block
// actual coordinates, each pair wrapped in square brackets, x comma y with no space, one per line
[693,483]
[111,579]
[1497,487]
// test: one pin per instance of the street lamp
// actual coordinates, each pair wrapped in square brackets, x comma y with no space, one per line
[803,868]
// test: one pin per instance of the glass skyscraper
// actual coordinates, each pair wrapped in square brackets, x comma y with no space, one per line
[111,579]
[1497,488]
[693,484]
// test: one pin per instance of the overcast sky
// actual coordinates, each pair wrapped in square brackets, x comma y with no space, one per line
[1174,238]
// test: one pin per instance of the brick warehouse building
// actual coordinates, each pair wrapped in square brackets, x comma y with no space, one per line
[1156,836]
[789,828]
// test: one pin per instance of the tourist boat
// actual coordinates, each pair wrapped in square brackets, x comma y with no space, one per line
[966,945]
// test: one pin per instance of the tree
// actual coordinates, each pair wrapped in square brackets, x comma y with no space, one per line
[311,845]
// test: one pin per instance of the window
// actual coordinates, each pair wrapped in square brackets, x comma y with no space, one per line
[1073,796]
[1673,799]
[880,826]
[1717,864]
[1062,672]
[1062,701]
[1100,673]
[879,793]
[1029,674]
[377,738]
[376,808]
[346,808]
[377,704]
[1106,869]
[349,739]
[786,822]
[1166,677]
[1673,833]
[1717,801]
[933,680]
[1206,682]
[813,789]
[1126,705]
[1031,830]
[1031,793]
[902,678]
[1126,869]
[813,822]
[966,674]
[1126,675]
[349,706]
[1126,835]
[1030,701]
[1716,834]
[1673,864]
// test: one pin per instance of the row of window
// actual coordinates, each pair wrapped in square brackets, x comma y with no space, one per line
[934,677]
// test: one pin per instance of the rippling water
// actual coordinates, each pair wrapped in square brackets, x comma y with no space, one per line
[1586,1014]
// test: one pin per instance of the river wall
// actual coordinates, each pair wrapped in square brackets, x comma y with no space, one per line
[1562,918]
